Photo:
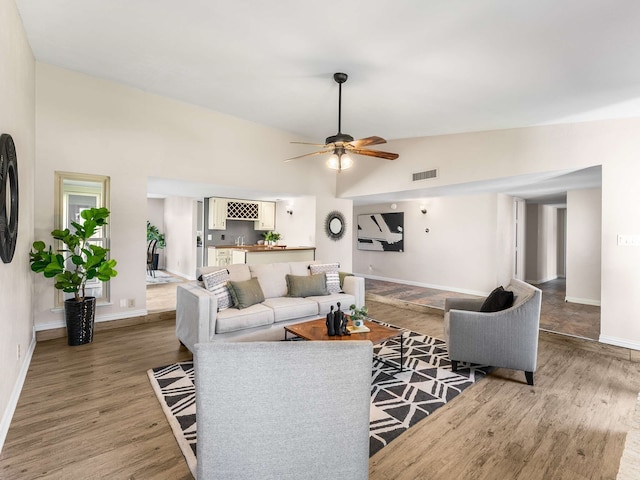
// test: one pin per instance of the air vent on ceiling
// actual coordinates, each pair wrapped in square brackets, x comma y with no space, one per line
[426,174]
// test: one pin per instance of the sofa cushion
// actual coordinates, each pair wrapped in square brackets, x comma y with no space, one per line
[306,286]
[499,299]
[272,278]
[287,308]
[331,271]
[325,302]
[216,283]
[239,272]
[300,268]
[232,319]
[246,293]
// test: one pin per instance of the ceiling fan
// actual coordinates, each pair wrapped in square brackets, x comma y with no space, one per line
[342,144]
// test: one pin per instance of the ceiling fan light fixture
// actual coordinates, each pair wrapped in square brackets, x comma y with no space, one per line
[339,161]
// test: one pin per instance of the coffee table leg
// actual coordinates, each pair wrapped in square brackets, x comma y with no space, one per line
[401,352]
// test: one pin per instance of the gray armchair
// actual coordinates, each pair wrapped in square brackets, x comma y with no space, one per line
[506,339]
[283,410]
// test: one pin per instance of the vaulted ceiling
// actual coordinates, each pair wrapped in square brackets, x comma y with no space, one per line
[416,67]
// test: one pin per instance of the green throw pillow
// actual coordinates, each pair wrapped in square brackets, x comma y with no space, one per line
[307,285]
[245,294]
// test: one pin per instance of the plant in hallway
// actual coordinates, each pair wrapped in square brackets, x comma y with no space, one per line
[154,234]
[73,266]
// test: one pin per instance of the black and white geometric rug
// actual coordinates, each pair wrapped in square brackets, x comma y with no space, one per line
[398,399]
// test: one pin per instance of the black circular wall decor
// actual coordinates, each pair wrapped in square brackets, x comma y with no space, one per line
[335,225]
[8,198]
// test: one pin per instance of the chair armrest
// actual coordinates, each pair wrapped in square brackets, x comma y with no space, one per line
[458,303]
[196,312]
[354,286]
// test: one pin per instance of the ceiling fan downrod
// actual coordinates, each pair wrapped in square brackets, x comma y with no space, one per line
[340,78]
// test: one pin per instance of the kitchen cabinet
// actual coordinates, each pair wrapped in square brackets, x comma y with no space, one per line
[217,213]
[219,257]
[266,216]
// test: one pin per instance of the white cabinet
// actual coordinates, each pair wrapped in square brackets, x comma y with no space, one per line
[217,213]
[219,257]
[266,216]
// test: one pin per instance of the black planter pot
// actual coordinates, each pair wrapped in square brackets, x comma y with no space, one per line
[154,264]
[80,319]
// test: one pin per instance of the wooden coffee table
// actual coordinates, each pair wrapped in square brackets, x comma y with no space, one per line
[317,330]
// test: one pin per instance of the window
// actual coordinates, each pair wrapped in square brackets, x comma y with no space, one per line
[75,192]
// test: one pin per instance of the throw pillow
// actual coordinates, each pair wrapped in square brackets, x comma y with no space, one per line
[307,285]
[499,299]
[245,294]
[216,282]
[331,271]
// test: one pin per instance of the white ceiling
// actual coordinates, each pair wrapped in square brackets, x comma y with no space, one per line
[416,67]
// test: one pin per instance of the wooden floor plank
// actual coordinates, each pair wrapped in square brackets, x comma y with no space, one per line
[90,412]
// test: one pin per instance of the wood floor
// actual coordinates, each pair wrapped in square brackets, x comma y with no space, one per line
[89,413]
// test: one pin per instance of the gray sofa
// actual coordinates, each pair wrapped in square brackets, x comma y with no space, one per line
[507,339]
[199,321]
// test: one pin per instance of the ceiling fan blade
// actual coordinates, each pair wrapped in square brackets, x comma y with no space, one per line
[365,142]
[321,152]
[312,144]
[374,153]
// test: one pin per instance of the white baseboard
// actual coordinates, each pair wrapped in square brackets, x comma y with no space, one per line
[102,318]
[619,342]
[582,301]
[7,416]
[180,274]
[424,285]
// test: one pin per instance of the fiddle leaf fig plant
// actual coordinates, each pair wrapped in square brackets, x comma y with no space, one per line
[80,260]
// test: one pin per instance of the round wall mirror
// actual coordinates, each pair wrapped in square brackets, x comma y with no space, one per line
[335,225]
[8,198]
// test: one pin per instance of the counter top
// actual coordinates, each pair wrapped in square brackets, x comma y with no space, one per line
[261,248]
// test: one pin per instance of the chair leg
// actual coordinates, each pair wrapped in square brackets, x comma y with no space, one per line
[529,377]
[454,366]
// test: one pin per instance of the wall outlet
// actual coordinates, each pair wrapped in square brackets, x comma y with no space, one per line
[123,303]
[131,302]
[18,353]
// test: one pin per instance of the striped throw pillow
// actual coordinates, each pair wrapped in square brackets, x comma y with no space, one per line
[216,283]
[331,272]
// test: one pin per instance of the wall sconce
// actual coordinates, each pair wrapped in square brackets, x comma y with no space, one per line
[423,209]
[290,211]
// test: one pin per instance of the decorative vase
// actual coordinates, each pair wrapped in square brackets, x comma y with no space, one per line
[80,318]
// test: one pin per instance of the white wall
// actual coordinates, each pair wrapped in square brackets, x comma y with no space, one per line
[95,126]
[17,118]
[299,228]
[584,245]
[469,246]
[155,214]
[180,220]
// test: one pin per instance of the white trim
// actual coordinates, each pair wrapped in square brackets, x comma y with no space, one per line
[425,285]
[103,318]
[180,274]
[619,342]
[583,301]
[7,416]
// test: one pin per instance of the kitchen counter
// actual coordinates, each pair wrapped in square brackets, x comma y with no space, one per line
[252,254]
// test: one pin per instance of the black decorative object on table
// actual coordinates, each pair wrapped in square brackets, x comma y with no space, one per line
[340,322]
[330,325]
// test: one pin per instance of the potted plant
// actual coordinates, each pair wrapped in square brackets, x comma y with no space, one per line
[72,266]
[154,234]
[271,237]
[358,314]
